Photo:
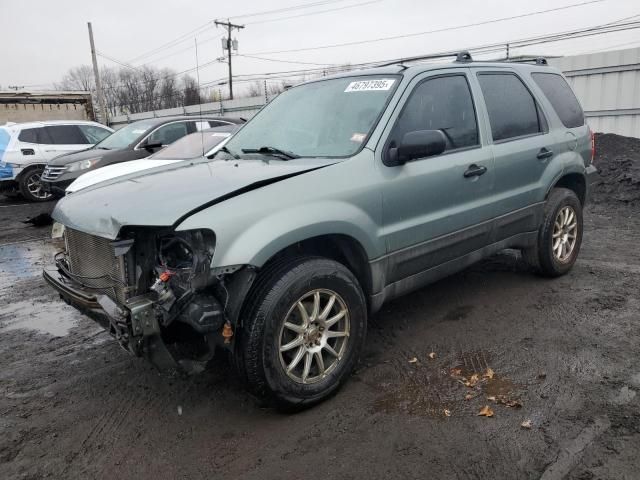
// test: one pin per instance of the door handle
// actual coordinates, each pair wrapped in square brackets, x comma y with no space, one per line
[28,151]
[544,153]
[475,171]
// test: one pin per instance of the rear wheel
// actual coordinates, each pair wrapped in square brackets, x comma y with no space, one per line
[560,235]
[304,329]
[31,186]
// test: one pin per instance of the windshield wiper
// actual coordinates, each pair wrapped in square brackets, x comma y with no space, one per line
[226,150]
[271,151]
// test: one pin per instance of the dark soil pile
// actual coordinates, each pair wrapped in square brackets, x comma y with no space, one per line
[618,162]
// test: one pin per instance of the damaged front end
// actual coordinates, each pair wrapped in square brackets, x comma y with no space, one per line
[155,291]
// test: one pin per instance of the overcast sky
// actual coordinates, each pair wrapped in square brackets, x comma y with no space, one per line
[42,39]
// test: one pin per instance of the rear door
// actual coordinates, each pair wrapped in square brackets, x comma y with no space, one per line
[433,209]
[522,147]
[64,139]
[30,145]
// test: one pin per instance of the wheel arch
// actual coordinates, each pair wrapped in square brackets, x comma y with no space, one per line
[573,181]
[341,248]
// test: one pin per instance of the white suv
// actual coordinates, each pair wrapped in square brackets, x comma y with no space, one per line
[25,149]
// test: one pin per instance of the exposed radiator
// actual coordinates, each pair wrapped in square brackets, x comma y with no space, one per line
[93,263]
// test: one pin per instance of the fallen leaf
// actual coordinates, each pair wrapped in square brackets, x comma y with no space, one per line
[413,360]
[542,376]
[489,374]
[473,380]
[485,412]
[432,355]
[513,403]
[469,396]
[456,372]
[526,424]
[447,413]
[491,398]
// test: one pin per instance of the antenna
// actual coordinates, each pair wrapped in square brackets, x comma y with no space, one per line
[195,39]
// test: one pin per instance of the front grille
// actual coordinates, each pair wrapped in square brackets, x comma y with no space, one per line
[52,173]
[92,262]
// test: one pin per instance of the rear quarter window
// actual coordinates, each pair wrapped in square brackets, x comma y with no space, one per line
[561,97]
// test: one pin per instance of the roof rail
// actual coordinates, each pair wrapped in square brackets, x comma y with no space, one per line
[462,57]
[537,60]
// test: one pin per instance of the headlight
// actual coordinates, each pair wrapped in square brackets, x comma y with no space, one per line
[82,164]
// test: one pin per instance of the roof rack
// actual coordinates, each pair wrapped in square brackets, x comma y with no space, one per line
[462,57]
[537,60]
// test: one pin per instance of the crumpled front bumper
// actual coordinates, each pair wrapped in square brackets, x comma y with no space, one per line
[133,325]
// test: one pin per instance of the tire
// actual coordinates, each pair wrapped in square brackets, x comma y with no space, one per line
[563,208]
[275,299]
[30,187]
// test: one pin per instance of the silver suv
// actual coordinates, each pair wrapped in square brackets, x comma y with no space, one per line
[339,195]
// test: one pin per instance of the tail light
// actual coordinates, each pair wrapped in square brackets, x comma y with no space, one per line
[593,146]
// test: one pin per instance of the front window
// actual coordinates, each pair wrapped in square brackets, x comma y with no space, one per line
[329,118]
[125,136]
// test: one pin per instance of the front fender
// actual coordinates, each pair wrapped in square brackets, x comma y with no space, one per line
[270,234]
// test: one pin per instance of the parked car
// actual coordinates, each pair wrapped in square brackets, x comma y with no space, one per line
[25,149]
[134,141]
[194,145]
[339,195]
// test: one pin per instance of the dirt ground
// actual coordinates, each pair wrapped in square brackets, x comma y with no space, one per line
[563,352]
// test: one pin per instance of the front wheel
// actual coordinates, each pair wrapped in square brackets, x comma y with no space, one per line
[31,186]
[304,329]
[560,234]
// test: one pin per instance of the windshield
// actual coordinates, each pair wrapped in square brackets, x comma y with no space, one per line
[330,118]
[192,146]
[126,135]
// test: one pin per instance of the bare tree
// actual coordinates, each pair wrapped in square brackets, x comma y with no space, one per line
[77,78]
[190,90]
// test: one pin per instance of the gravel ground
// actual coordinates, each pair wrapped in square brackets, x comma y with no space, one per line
[562,357]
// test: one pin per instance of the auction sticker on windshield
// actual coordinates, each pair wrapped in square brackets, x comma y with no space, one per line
[370,85]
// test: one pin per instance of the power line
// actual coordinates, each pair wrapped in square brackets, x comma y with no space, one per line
[288,9]
[282,61]
[428,32]
[175,41]
[314,13]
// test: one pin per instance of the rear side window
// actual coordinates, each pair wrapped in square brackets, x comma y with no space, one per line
[216,123]
[564,101]
[66,135]
[442,103]
[513,111]
[94,134]
[33,135]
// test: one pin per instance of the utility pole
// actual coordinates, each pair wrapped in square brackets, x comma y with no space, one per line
[507,51]
[227,45]
[96,74]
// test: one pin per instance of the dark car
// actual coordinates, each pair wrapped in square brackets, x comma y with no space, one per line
[132,142]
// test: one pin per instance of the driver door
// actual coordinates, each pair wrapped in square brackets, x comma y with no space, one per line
[433,209]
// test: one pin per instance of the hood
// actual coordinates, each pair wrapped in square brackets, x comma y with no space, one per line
[113,171]
[68,158]
[165,195]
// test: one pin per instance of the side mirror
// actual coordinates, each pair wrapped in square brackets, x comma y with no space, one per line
[417,144]
[152,147]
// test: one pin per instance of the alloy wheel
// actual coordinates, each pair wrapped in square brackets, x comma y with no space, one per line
[314,336]
[565,234]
